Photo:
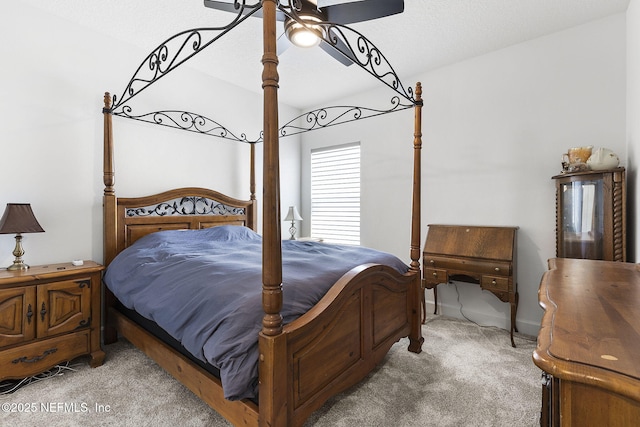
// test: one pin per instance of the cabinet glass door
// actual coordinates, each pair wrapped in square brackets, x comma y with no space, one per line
[582,219]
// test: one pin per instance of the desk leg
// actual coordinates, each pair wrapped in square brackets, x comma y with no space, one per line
[513,300]
[435,299]
[424,302]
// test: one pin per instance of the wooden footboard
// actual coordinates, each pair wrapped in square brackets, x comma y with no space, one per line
[338,342]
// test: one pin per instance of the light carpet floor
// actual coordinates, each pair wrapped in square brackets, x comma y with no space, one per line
[466,375]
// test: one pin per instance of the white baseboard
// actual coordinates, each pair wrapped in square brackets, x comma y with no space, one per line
[484,319]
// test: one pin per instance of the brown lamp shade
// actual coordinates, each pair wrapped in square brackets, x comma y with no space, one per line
[19,218]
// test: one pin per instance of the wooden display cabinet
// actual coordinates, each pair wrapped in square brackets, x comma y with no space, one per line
[591,215]
[49,314]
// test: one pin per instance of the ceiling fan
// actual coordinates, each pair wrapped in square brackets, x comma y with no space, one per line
[307,29]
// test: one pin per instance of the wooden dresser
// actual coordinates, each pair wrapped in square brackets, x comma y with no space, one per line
[589,343]
[476,254]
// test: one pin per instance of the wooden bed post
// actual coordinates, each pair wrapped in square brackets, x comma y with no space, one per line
[271,246]
[109,211]
[415,336]
[109,201]
[272,367]
[415,213]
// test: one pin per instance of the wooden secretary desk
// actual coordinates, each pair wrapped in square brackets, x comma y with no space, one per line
[477,254]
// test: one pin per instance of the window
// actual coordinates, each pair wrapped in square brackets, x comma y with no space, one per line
[335,194]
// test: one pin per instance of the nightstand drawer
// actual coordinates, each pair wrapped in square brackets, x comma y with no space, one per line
[492,283]
[39,356]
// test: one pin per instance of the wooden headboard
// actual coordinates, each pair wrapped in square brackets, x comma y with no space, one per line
[184,208]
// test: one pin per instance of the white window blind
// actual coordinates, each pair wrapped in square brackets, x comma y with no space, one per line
[335,194]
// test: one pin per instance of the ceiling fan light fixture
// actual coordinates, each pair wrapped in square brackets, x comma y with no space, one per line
[303,35]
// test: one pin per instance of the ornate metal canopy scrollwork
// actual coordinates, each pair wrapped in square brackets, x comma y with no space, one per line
[181,47]
[363,52]
[186,121]
[332,116]
[178,49]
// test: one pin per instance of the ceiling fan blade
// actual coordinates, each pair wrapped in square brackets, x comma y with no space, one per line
[220,5]
[229,7]
[359,11]
[338,56]
[282,44]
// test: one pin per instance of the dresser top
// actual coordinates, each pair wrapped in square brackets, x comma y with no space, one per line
[590,330]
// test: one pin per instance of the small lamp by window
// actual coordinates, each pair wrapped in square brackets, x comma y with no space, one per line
[293,216]
[18,218]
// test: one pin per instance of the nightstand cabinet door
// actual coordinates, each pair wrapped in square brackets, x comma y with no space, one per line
[63,306]
[17,315]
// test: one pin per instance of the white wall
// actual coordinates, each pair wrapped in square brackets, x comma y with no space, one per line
[633,127]
[494,129]
[52,81]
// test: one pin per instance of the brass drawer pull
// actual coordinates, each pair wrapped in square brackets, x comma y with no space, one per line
[435,274]
[497,269]
[493,282]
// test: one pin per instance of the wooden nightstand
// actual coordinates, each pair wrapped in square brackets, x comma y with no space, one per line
[49,314]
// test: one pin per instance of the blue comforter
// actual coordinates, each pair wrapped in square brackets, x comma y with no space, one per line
[204,287]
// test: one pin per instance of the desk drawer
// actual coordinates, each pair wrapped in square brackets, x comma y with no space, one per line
[478,266]
[434,276]
[493,283]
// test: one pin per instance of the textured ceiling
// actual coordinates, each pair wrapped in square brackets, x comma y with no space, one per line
[429,34]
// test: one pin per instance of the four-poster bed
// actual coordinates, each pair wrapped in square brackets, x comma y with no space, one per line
[339,340]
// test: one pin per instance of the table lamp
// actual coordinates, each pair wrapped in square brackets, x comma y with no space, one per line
[18,218]
[293,216]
